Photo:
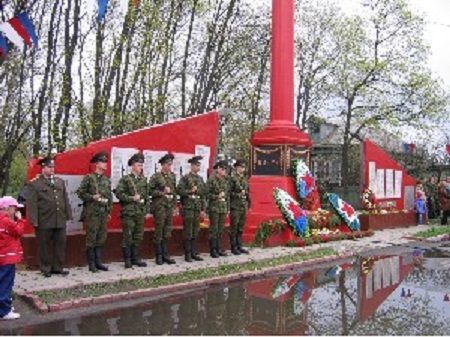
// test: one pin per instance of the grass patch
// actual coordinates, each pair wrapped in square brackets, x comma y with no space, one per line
[99,289]
[432,232]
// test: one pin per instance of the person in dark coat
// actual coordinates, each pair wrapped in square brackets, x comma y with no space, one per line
[444,200]
[48,210]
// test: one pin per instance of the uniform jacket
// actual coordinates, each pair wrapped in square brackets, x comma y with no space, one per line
[10,246]
[214,186]
[127,188]
[156,189]
[237,185]
[444,197]
[91,185]
[48,203]
[189,199]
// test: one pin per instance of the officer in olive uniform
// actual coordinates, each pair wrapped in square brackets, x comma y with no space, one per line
[48,210]
[132,191]
[192,191]
[239,204]
[95,192]
[163,192]
[218,207]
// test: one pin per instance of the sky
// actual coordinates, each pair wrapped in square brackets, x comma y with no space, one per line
[437,31]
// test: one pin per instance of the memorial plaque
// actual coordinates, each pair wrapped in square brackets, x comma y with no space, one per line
[267,160]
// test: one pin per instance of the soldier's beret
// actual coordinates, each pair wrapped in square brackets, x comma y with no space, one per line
[136,158]
[46,161]
[101,156]
[167,158]
[195,160]
[239,162]
[221,163]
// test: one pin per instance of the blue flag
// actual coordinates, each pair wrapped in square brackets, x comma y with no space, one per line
[102,5]
[29,27]
[3,46]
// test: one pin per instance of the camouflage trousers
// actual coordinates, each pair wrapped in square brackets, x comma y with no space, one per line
[216,224]
[237,221]
[133,229]
[96,231]
[191,223]
[163,223]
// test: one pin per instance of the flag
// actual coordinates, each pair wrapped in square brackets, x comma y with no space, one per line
[409,148]
[17,25]
[29,27]
[3,46]
[102,6]
[448,148]
[11,34]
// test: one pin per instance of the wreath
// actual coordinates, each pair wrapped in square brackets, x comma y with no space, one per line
[345,211]
[294,215]
[368,199]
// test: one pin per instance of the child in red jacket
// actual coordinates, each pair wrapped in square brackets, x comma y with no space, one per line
[10,252]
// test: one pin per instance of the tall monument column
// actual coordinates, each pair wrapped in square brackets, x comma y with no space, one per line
[281,141]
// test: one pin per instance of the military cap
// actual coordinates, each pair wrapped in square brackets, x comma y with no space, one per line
[195,160]
[239,162]
[101,156]
[136,158]
[167,158]
[46,161]
[221,163]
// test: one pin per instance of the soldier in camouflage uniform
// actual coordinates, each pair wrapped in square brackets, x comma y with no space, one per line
[95,192]
[239,204]
[218,207]
[162,190]
[192,190]
[132,191]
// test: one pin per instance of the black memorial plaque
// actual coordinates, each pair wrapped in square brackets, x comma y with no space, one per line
[267,160]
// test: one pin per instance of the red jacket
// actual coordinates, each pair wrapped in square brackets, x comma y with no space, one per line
[10,246]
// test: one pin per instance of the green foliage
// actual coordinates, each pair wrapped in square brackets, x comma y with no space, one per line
[432,232]
[266,229]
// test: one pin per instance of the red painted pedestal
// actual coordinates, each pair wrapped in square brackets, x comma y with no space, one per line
[275,147]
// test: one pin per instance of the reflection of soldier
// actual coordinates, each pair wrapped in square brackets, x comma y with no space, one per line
[188,315]
[132,321]
[162,189]
[218,207]
[93,325]
[132,191]
[239,204]
[192,191]
[95,192]
[215,312]
[161,322]
[236,311]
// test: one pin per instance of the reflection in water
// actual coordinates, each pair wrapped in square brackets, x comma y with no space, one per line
[392,294]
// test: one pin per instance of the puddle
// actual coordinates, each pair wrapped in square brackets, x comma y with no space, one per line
[402,294]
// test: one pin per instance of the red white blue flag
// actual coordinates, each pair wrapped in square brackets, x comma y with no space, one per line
[19,30]
[3,46]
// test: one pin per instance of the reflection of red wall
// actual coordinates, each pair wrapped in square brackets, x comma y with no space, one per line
[284,325]
[179,136]
[370,305]
[372,153]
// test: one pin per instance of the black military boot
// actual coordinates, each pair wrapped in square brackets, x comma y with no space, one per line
[135,260]
[91,260]
[194,254]
[158,254]
[234,247]
[127,256]
[239,244]
[212,248]
[98,259]
[166,257]
[220,251]
[187,250]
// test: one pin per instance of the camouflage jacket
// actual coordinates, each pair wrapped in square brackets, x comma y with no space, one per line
[214,186]
[431,190]
[239,185]
[157,184]
[127,188]
[189,199]
[91,185]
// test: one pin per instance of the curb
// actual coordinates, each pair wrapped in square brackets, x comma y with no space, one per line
[43,308]
[440,238]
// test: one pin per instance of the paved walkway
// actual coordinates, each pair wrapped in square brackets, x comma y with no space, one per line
[31,281]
